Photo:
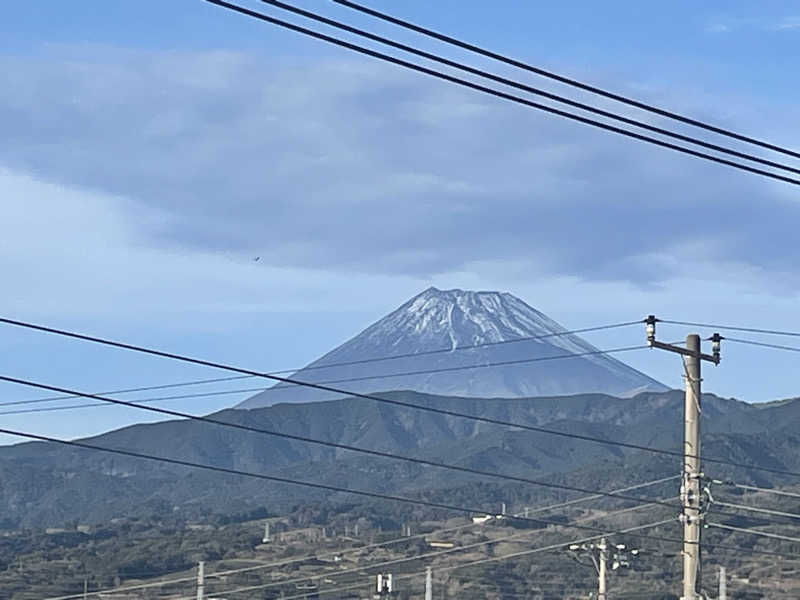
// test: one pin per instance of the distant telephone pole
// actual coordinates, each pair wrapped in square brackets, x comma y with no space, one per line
[599,555]
[692,475]
[201,580]
[602,561]
[428,584]
[266,539]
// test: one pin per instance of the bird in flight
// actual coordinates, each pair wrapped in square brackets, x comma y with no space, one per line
[256,259]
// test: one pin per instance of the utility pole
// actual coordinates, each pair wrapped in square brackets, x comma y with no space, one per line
[692,475]
[266,539]
[723,585]
[690,495]
[599,555]
[601,569]
[85,587]
[428,584]
[201,580]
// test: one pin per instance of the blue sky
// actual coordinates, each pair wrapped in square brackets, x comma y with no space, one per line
[153,149]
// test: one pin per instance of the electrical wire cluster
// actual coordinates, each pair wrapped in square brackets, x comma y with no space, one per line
[482,85]
[714,506]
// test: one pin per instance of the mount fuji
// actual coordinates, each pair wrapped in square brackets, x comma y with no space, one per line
[439,330]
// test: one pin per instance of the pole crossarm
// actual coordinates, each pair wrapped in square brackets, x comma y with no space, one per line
[650,324]
[683,351]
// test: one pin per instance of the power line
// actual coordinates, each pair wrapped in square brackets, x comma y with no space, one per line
[305,439]
[527,88]
[732,328]
[368,547]
[349,363]
[285,480]
[754,488]
[391,401]
[596,497]
[332,488]
[755,532]
[338,489]
[435,554]
[504,363]
[628,531]
[136,389]
[562,79]
[439,532]
[763,344]
[766,511]
[140,401]
[498,93]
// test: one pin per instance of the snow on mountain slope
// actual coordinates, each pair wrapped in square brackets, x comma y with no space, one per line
[450,320]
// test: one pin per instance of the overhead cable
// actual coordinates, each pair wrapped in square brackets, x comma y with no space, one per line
[763,344]
[286,480]
[755,532]
[373,546]
[513,555]
[310,440]
[448,350]
[497,93]
[732,328]
[485,365]
[388,563]
[766,511]
[527,88]
[566,80]
[330,488]
[456,549]
[754,488]
[385,400]
[344,490]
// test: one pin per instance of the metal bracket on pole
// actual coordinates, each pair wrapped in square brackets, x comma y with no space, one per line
[716,339]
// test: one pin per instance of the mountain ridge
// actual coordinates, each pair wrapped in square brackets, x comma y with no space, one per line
[46,484]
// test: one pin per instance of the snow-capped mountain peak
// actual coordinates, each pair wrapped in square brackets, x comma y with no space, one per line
[445,326]
[469,317]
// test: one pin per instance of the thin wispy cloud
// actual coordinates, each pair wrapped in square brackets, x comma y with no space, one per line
[732,24]
[789,23]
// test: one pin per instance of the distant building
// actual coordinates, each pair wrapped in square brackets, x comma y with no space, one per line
[482,519]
